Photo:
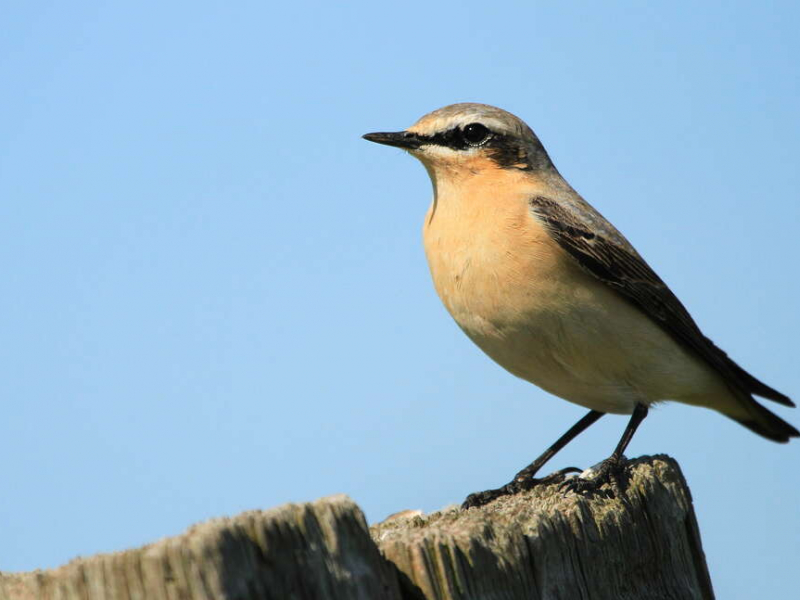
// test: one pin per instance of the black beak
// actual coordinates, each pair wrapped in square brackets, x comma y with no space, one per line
[400,139]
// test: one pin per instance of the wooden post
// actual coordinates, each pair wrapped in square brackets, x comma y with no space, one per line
[317,550]
[545,544]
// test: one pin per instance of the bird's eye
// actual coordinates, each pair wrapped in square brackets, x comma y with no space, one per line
[475,133]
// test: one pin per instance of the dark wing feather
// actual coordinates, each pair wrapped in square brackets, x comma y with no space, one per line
[605,253]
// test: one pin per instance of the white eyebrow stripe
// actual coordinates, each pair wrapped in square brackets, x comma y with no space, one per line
[441,125]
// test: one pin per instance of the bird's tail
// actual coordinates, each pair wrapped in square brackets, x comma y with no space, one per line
[764,422]
[759,388]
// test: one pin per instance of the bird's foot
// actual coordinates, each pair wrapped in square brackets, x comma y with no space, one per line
[612,471]
[520,484]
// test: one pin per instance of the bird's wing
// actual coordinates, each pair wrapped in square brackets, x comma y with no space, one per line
[602,251]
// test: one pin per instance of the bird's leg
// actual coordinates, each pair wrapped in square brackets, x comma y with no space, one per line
[525,480]
[612,468]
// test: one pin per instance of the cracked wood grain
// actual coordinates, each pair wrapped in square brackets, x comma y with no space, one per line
[545,544]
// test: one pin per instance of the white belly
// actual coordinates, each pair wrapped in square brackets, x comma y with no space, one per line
[531,308]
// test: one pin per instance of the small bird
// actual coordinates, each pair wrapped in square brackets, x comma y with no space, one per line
[552,292]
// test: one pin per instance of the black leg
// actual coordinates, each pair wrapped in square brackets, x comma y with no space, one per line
[524,480]
[611,468]
[639,413]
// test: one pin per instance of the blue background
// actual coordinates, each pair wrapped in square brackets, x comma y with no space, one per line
[214,296]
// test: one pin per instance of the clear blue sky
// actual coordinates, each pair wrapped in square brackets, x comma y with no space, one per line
[214,294]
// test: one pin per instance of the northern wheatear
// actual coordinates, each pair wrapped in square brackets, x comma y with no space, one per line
[551,291]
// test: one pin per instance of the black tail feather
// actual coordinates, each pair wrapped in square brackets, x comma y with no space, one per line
[767,424]
[754,386]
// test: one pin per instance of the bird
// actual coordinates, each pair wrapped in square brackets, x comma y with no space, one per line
[550,290]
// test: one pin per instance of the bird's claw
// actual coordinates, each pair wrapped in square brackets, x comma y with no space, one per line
[612,471]
[520,484]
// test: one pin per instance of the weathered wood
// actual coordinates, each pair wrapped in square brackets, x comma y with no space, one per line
[319,550]
[545,544]
[548,544]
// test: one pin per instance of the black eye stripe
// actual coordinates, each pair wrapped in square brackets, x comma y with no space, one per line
[460,138]
[506,150]
[452,138]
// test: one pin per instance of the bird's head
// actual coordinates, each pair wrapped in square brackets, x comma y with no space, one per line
[469,137]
